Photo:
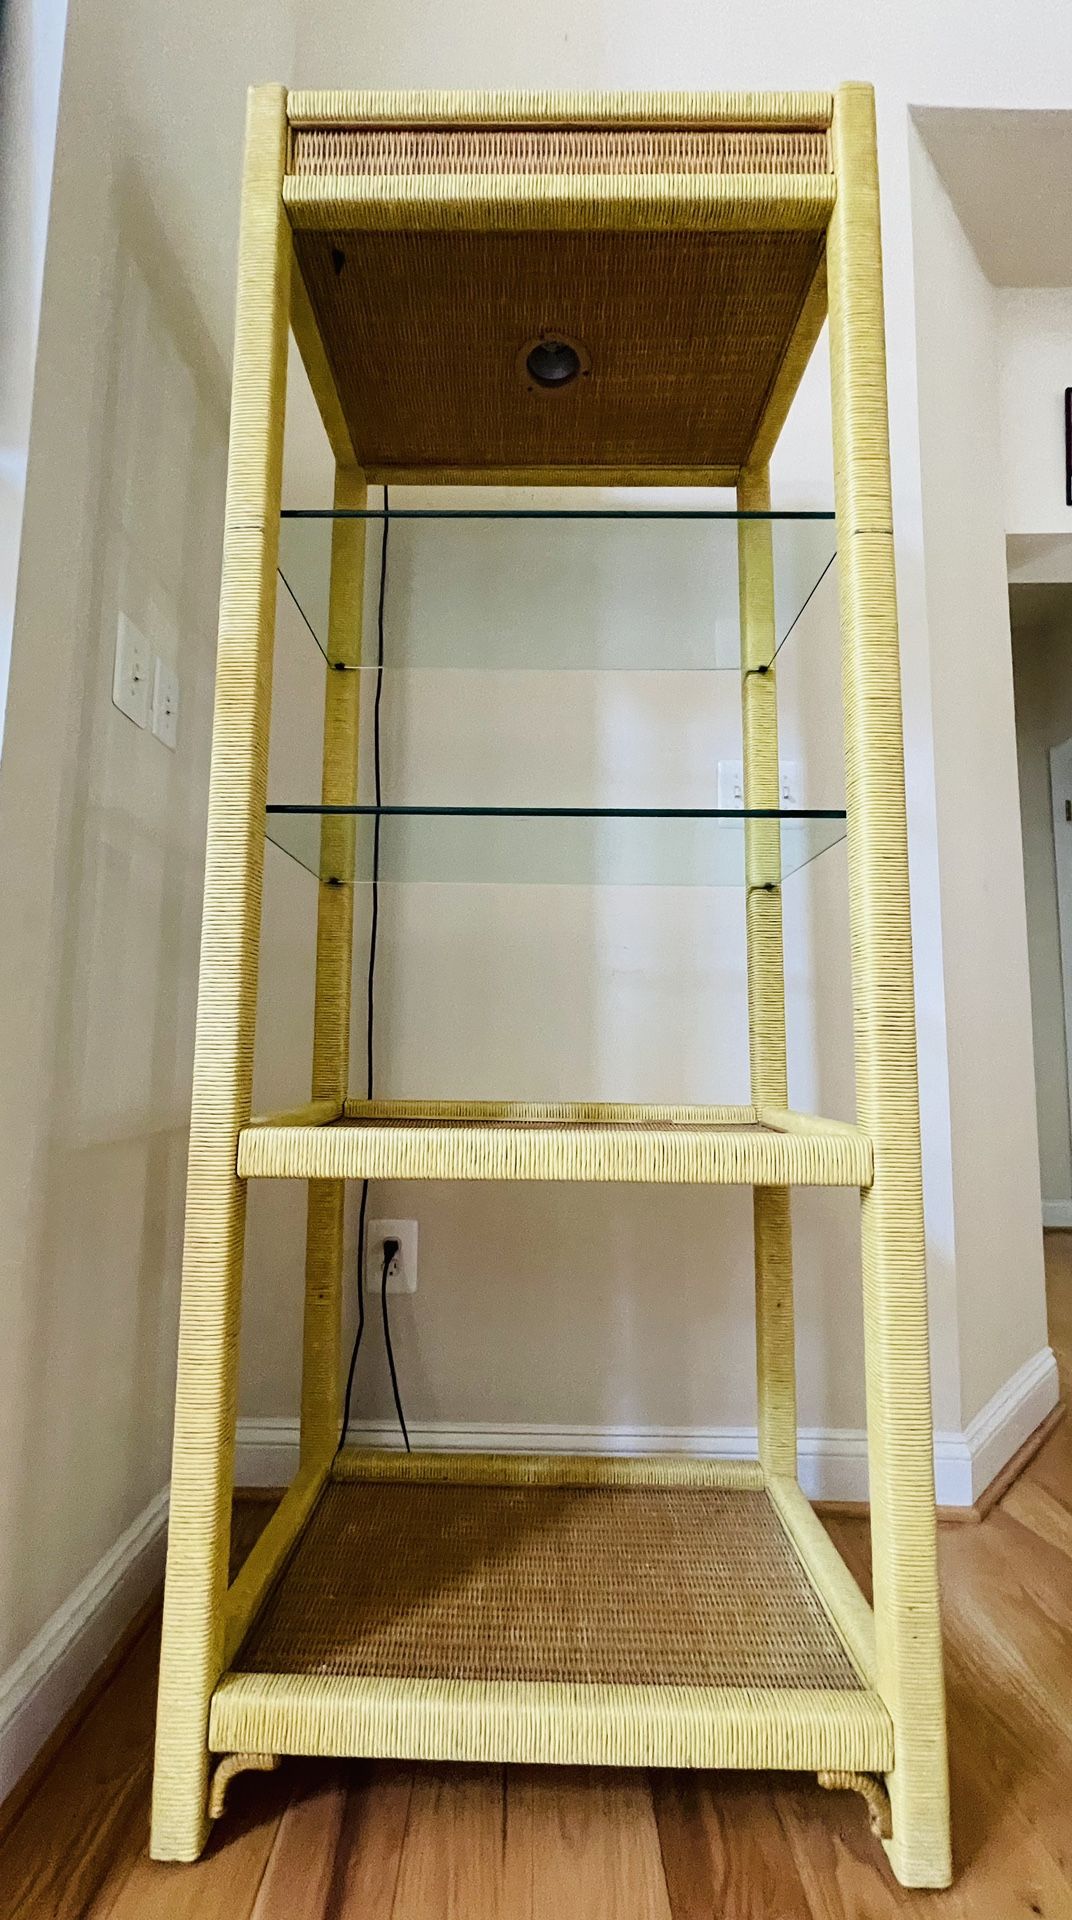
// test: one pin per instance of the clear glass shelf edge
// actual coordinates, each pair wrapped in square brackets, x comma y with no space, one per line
[558,588]
[591,847]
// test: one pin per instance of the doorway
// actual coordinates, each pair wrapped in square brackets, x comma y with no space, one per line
[1041,620]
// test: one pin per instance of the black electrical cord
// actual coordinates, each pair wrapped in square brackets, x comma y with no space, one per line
[390,1249]
[370,998]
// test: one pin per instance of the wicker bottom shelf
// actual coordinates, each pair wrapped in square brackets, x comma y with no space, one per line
[478,1612]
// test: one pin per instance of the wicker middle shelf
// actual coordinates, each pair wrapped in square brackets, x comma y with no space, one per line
[503,1140]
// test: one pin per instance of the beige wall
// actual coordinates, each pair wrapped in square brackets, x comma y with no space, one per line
[1042,668]
[1034,328]
[101,828]
[988,1016]
[31,55]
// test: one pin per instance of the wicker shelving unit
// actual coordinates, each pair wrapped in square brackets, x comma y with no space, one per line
[467,1607]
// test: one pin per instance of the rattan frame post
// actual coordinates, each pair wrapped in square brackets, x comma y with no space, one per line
[889,1723]
[899,1423]
[192,1652]
[334,968]
[775,1351]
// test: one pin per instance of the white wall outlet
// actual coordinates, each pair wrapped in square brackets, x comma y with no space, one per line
[132,676]
[165,709]
[402,1274]
[731,783]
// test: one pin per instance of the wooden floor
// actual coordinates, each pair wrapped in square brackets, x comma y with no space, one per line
[357,1841]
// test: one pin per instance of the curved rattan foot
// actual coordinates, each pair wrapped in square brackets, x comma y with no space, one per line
[872,1790]
[231,1764]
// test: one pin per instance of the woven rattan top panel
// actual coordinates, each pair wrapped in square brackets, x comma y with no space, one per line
[684,335]
[671,1586]
[676,259]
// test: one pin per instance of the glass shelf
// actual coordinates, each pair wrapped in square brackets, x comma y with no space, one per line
[551,846]
[552,588]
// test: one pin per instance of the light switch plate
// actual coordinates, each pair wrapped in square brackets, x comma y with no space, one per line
[731,783]
[165,711]
[132,676]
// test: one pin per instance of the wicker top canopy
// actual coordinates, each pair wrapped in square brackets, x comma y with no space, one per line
[680,256]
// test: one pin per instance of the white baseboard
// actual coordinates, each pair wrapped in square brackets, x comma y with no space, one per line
[46,1680]
[833,1461]
[1057,1213]
[1010,1417]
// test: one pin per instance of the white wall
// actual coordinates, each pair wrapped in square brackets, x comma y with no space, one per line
[1034,341]
[31,52]
[995,1155]
[1042,666]
[101,829]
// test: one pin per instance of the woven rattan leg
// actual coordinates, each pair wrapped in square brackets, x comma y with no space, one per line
[334,957]
[775,1357]
[203,1462]
[908,1643]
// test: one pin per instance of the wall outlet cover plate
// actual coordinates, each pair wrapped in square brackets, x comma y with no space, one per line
[132,676]
[404,1280]
[165,711]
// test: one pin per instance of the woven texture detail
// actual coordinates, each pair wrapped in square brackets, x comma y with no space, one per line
[900,1458]
[589,1585]
[416,150]
[686,332]
[342,107]
[546,1469]
[443,1141]
[205,1395]
[552,1724]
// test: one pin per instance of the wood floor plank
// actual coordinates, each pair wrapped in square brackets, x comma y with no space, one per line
[1004,1866]
[223,1884]
[724,1850]
[455,1863]
[843,1873]
[87,1811]
[369,1856]
[594,1843]
[300,1869]
[1040,1514]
